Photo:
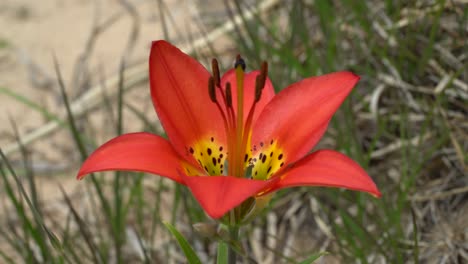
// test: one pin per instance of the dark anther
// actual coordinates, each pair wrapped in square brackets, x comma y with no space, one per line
[239,62]
[260,81]
[264,70]
[228,95]
[258,91]
[211,89]
[215,68]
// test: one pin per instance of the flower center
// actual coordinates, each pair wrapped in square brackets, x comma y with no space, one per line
[237,158]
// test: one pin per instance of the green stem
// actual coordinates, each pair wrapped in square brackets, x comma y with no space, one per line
[234,237]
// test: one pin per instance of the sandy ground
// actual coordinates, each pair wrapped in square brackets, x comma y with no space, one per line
[32,31]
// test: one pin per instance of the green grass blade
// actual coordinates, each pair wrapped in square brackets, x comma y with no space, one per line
[192,257]
[313,258]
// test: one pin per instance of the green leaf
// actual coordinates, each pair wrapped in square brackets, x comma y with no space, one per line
[188,250]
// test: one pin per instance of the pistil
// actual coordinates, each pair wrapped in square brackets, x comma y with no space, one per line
[239,68]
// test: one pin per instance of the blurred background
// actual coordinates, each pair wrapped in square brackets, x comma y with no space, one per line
[406,123]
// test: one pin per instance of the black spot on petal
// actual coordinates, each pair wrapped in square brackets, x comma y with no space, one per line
[191,150]
[271,154]
[212,139]
[280,156]
[264,159]
[269,169]
[214,161]
[208,150]
[282,163]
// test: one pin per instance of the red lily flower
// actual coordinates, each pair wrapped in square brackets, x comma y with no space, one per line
[236,139]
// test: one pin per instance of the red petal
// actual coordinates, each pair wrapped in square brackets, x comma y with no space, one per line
[297,116]
[135,152]
[328,168]
[249,92]
[179,88]
[219,194]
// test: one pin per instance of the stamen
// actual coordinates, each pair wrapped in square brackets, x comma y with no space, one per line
[229,109]
[260,81]
[259,85]
[215,69]
[211,89]
[228,95]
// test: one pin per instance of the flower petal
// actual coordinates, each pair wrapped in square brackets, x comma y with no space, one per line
[219,194]
[179,89]
[135,152]
[249,92]
[297,116]
[330,169]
